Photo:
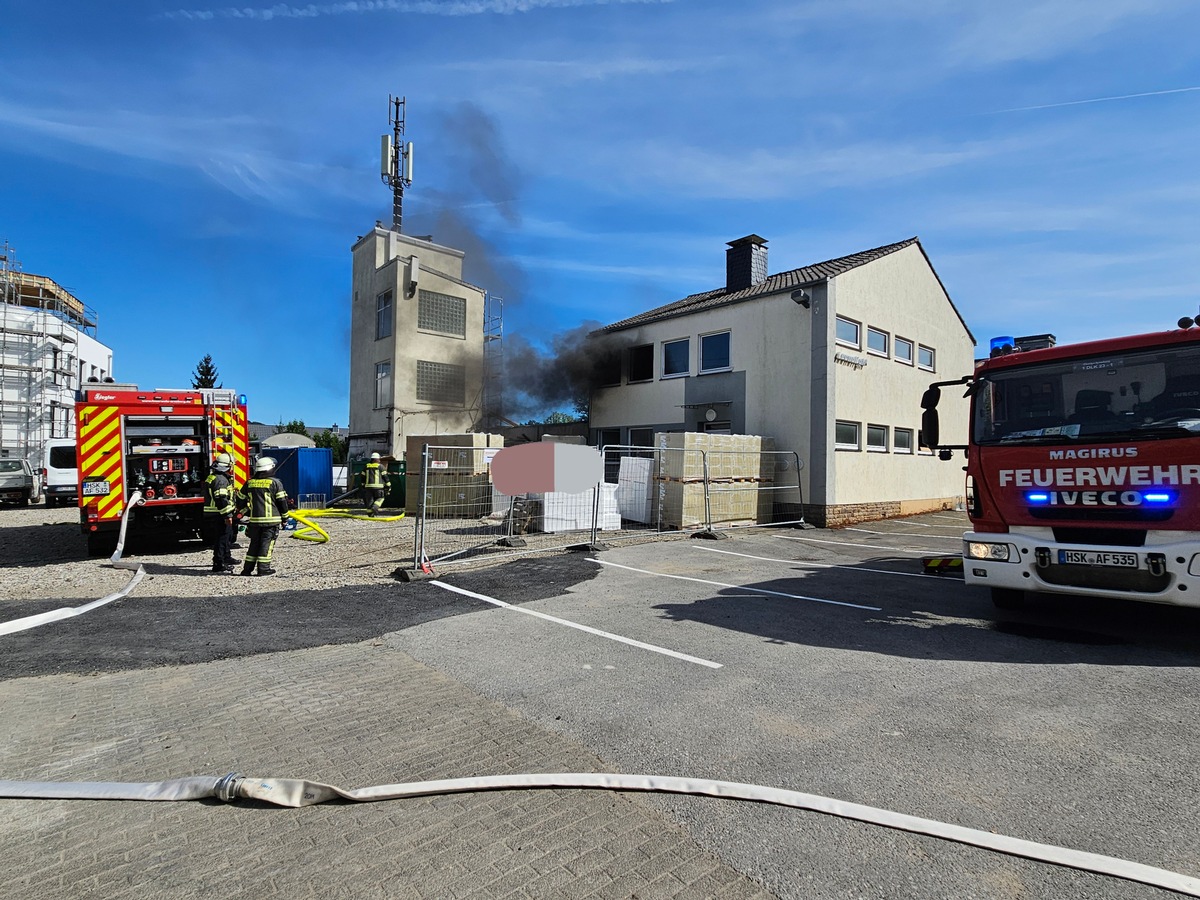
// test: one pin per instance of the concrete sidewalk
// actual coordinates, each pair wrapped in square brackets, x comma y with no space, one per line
[352,715]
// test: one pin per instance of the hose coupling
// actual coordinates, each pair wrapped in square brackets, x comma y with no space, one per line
[227,787]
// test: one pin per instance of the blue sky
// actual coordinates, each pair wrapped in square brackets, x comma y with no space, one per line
[197,173]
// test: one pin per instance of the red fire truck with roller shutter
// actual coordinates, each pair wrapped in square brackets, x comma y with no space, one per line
[1083,469]
[158,443]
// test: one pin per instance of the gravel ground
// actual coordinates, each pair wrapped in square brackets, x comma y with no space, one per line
[342,591]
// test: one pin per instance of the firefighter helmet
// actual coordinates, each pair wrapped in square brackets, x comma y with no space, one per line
[374,457]
[264,464]
[222,462]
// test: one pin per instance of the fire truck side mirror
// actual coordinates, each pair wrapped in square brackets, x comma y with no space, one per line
[929,400]
[929,429]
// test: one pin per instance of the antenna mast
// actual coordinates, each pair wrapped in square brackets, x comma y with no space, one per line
[396,159]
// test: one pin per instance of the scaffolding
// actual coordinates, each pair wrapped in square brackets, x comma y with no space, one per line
[40,325]
[494,376]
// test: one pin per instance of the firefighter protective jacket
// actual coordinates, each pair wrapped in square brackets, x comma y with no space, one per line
[265,500]
[374,477]
[218,494]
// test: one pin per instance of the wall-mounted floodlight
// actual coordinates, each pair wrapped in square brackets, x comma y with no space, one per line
[802,297]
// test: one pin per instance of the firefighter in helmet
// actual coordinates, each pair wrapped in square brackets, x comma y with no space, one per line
[219,510]
[373,485]
[265,501]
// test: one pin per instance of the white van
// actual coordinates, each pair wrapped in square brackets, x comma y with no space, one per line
[60,475]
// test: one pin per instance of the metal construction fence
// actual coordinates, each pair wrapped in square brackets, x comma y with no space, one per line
[646,493]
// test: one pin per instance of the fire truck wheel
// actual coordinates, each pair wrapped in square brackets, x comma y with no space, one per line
[1008,598]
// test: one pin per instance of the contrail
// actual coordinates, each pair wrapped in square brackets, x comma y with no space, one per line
[415,7]
[1097,100]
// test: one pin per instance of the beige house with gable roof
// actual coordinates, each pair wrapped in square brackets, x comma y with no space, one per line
[829,359]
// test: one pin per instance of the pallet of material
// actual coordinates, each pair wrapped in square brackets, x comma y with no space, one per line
[469,454]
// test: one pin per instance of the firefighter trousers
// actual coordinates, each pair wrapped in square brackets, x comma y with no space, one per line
[373,499]
[222,539]
[262,542]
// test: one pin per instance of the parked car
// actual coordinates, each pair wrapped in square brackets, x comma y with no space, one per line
[18,485]
[60,472]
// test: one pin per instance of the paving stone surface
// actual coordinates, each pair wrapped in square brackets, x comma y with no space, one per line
[352,715]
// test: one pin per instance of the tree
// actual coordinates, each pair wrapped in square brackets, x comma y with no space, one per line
[559,418]
[338,445]
[296,426]
[205,375]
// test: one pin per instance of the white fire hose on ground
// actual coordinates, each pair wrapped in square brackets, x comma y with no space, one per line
[296,793]
[67,612]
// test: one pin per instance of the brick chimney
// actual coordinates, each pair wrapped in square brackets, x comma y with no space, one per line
[745,262]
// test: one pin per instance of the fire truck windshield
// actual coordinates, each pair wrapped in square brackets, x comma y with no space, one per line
[1136,395]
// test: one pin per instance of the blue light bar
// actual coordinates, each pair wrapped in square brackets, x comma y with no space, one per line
[1037,498]
[1001,342]
[1159,497]
[241,399]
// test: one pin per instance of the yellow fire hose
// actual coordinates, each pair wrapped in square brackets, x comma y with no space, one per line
[311,531]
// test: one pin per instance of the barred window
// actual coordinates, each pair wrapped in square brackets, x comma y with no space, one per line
[442,313]
[441,382]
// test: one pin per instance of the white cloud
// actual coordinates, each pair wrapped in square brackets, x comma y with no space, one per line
[213,146]
[412,7]
[1046,28]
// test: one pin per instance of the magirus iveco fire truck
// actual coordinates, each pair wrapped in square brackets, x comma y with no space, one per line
[1083,469]
[159,443]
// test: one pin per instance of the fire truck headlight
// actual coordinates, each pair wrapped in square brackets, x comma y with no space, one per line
[993,552]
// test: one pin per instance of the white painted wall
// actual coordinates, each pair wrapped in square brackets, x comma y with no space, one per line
[898,294]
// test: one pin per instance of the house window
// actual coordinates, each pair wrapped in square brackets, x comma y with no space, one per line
[904,351]
[383,315]
[848,333]
[877,341]
[641,437]
[877,438]
[925,357]
[902,440]
[442,313]
[441,382]
[608,368]
[714,352]
[641,363]
[383,385]
[676,357]
[846,435]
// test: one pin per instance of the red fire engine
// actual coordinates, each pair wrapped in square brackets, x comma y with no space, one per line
[159,443]
[1083,469]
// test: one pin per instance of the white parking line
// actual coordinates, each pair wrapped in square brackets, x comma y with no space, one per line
[605,562]
[788,537]
[589,630]
[815,565]
[937,537]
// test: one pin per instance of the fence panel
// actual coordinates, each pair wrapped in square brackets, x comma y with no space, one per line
[460,515]
[647,492]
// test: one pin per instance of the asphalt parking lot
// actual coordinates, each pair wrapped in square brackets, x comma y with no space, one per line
[819,661]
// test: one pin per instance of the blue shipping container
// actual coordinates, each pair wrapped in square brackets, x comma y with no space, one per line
[306,473]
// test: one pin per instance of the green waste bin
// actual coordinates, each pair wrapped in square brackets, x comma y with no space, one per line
[395,496]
